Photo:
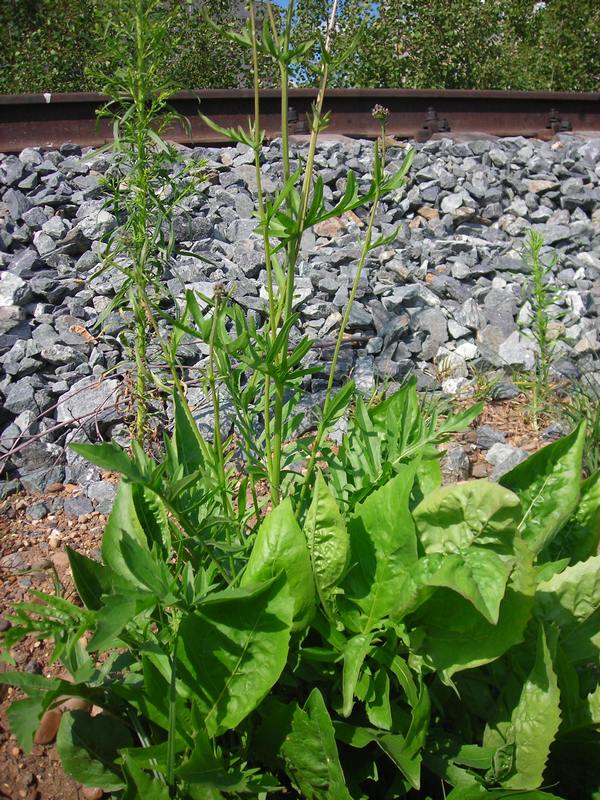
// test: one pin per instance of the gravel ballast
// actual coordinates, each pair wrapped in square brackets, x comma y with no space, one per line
[446,301]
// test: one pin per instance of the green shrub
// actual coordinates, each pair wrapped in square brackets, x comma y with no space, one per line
[421,642]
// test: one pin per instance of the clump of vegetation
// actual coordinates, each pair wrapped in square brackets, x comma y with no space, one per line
[275,614]
[471,44]
[542,296]
[148,181]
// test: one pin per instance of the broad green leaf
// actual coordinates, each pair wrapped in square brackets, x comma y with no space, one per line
[429,475]
[580,537]
[383,552]
[377,701]
[570,597]
[328,543]
[89,748]
[280,546]
[91,578]
[233,649]
[204,768]
[571,600]
[535,721]
[154,701]
[480,793]
[452,518]
[453,636]
[548,486]
[141,784]
[355,653]
[116,613]
[24,717]
[478,575]
[123,524]
[311,755]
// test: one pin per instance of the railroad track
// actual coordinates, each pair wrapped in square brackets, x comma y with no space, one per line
[53,119]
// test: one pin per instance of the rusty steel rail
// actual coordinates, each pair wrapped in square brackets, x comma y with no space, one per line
[54,119]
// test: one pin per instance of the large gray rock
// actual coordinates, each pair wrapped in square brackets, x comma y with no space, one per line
[90,401]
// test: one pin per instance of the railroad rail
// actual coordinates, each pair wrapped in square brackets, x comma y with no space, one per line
[54,119]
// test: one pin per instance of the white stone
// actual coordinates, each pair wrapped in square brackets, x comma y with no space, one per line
[11,288]
[467,350]
[515,350]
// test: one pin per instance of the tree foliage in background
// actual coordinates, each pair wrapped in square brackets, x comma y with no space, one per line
[49,45]
[474,44]
[52,46]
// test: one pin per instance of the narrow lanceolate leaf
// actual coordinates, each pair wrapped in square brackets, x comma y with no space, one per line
[548,486]
[328,543]
[91,578]
[405,751]
[355,653]
[109,456]
[383,553]
[280,546]
[571,600]
[310,753]
[233,649]
[535,721]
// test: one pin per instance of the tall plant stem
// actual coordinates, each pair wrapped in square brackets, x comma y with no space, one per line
[286,304]
[141,375]
[294,248]
[266,242]
[214,391]
[366,248]
[338,344]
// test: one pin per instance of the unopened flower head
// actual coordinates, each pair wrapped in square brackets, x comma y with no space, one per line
[380,113]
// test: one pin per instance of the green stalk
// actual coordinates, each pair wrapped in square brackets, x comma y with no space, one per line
[170,776]
[218,444]
[340,337]
[292,250]
[308,171]
[338,344]
[266,242]
[140,376]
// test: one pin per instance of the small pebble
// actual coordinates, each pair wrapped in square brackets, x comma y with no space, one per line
[55,538]
[46,733]
[91,794]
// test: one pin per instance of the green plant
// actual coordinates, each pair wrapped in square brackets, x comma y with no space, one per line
[341,628]
[542,295]
[424,641]
[583,403]
[148,181]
